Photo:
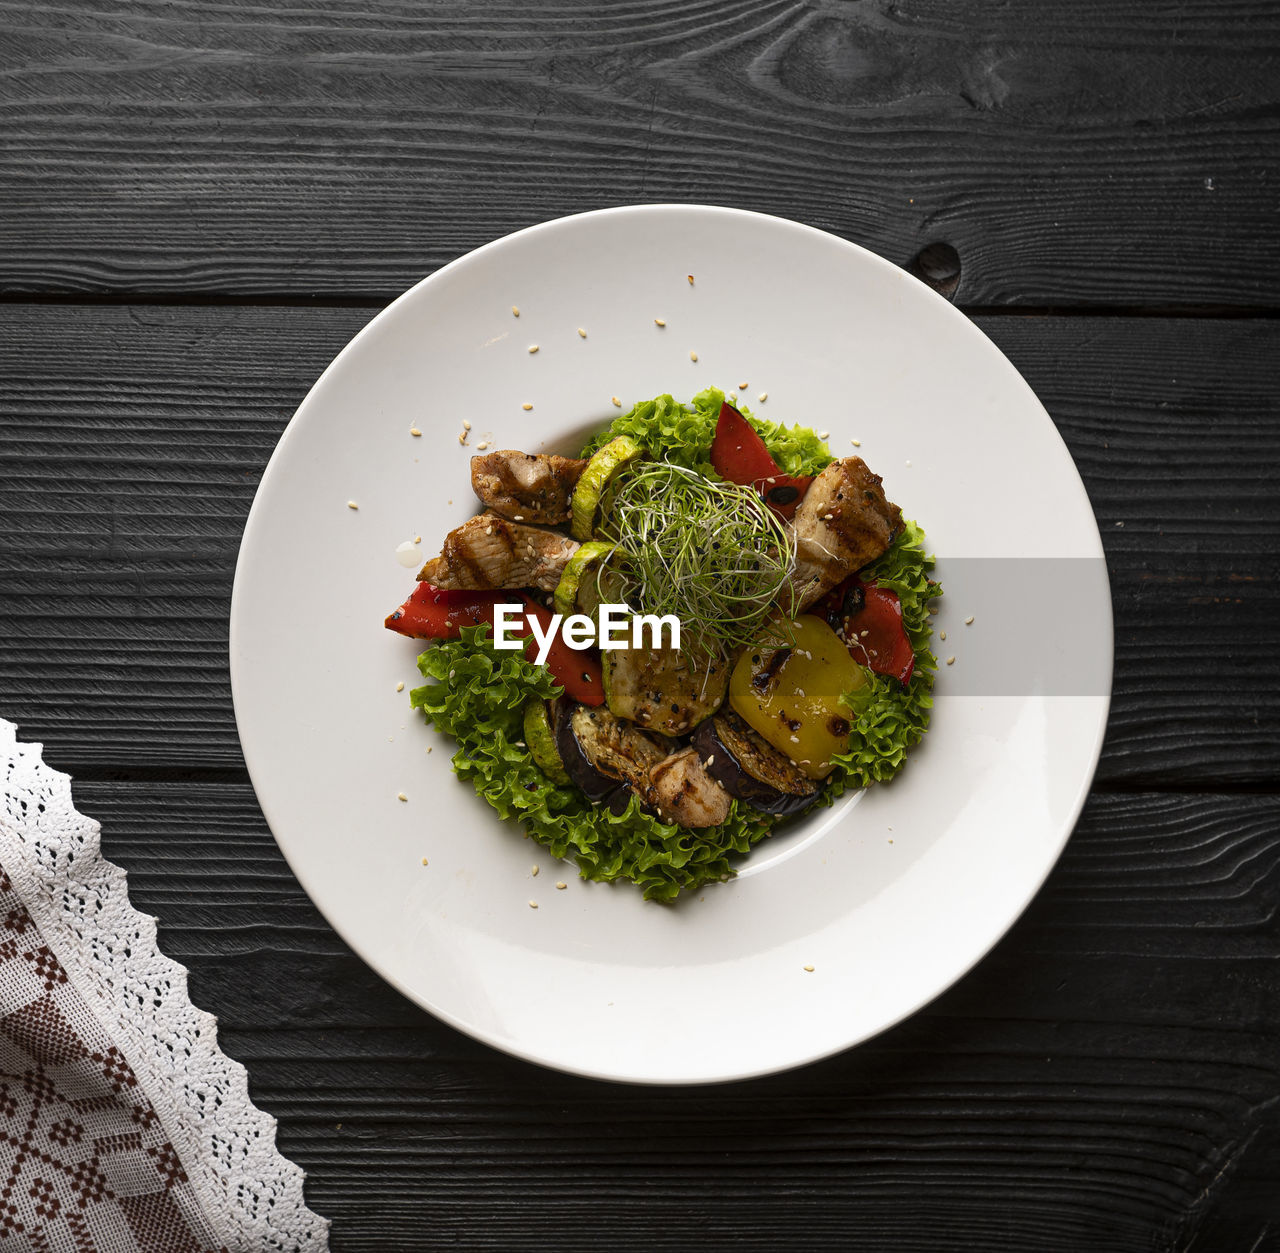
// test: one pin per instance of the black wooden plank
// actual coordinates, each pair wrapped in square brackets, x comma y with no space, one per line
[1099,1081]
[132,440]
[1117,152]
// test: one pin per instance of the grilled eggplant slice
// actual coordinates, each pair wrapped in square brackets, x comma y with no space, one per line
[664,689]
[610,760]
[602,754]
[750,768]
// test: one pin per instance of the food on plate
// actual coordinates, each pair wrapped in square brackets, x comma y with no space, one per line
[842,523]
[734,629]
[801,696]
[488,552]
[525,486]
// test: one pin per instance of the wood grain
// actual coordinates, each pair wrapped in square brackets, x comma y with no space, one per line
[1101,1081]
[132,440]
[1120,153]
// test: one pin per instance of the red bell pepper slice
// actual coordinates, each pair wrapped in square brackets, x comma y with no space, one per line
[434,613]
[740,455]
[577,671]
[870,620]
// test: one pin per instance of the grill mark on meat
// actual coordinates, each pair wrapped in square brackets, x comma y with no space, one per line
[534,487]
[487,553]
[683,792]
[844,521]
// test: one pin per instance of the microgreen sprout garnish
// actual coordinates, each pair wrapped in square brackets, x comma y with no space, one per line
[710,552]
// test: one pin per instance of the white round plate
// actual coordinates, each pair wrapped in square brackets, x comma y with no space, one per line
[890,895]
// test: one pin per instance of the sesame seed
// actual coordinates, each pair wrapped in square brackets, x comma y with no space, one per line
[951,661]
[428,748]
[533,870]
[616,401]
[561,885]
[809,969]
[400,686]
[690,280]
[857,443]
[942,635]
[763,396]
[659,321]
[400,796]
[733,400]
[424,861]
[533,904]
[413,430]
[533,347]
[711,761]
[824,434]
[864,633]
[462,437]
[351,504]
[515,311]
[969,620]
[795,739]
[908,463]
[582,334]
[519,517]
[466,426]
[693,356]
[742,387]
[483,444]
[417,539]
[526,406]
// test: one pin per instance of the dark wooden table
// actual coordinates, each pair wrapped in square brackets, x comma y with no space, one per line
[200,203]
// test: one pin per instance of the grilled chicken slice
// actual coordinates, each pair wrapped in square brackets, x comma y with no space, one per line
[844,521]
[526,486]
[682,791]
[488,552]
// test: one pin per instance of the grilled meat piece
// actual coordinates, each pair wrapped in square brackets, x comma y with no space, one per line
[843,522]
[526,486]
[488,552]
[682,791]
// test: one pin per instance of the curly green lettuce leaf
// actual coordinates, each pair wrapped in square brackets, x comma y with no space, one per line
[682,434]
[477,694]
[897,715]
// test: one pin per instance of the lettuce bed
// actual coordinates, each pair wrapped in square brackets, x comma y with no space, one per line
[477,694]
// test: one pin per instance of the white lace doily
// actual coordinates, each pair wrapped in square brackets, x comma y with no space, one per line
[249,1194]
